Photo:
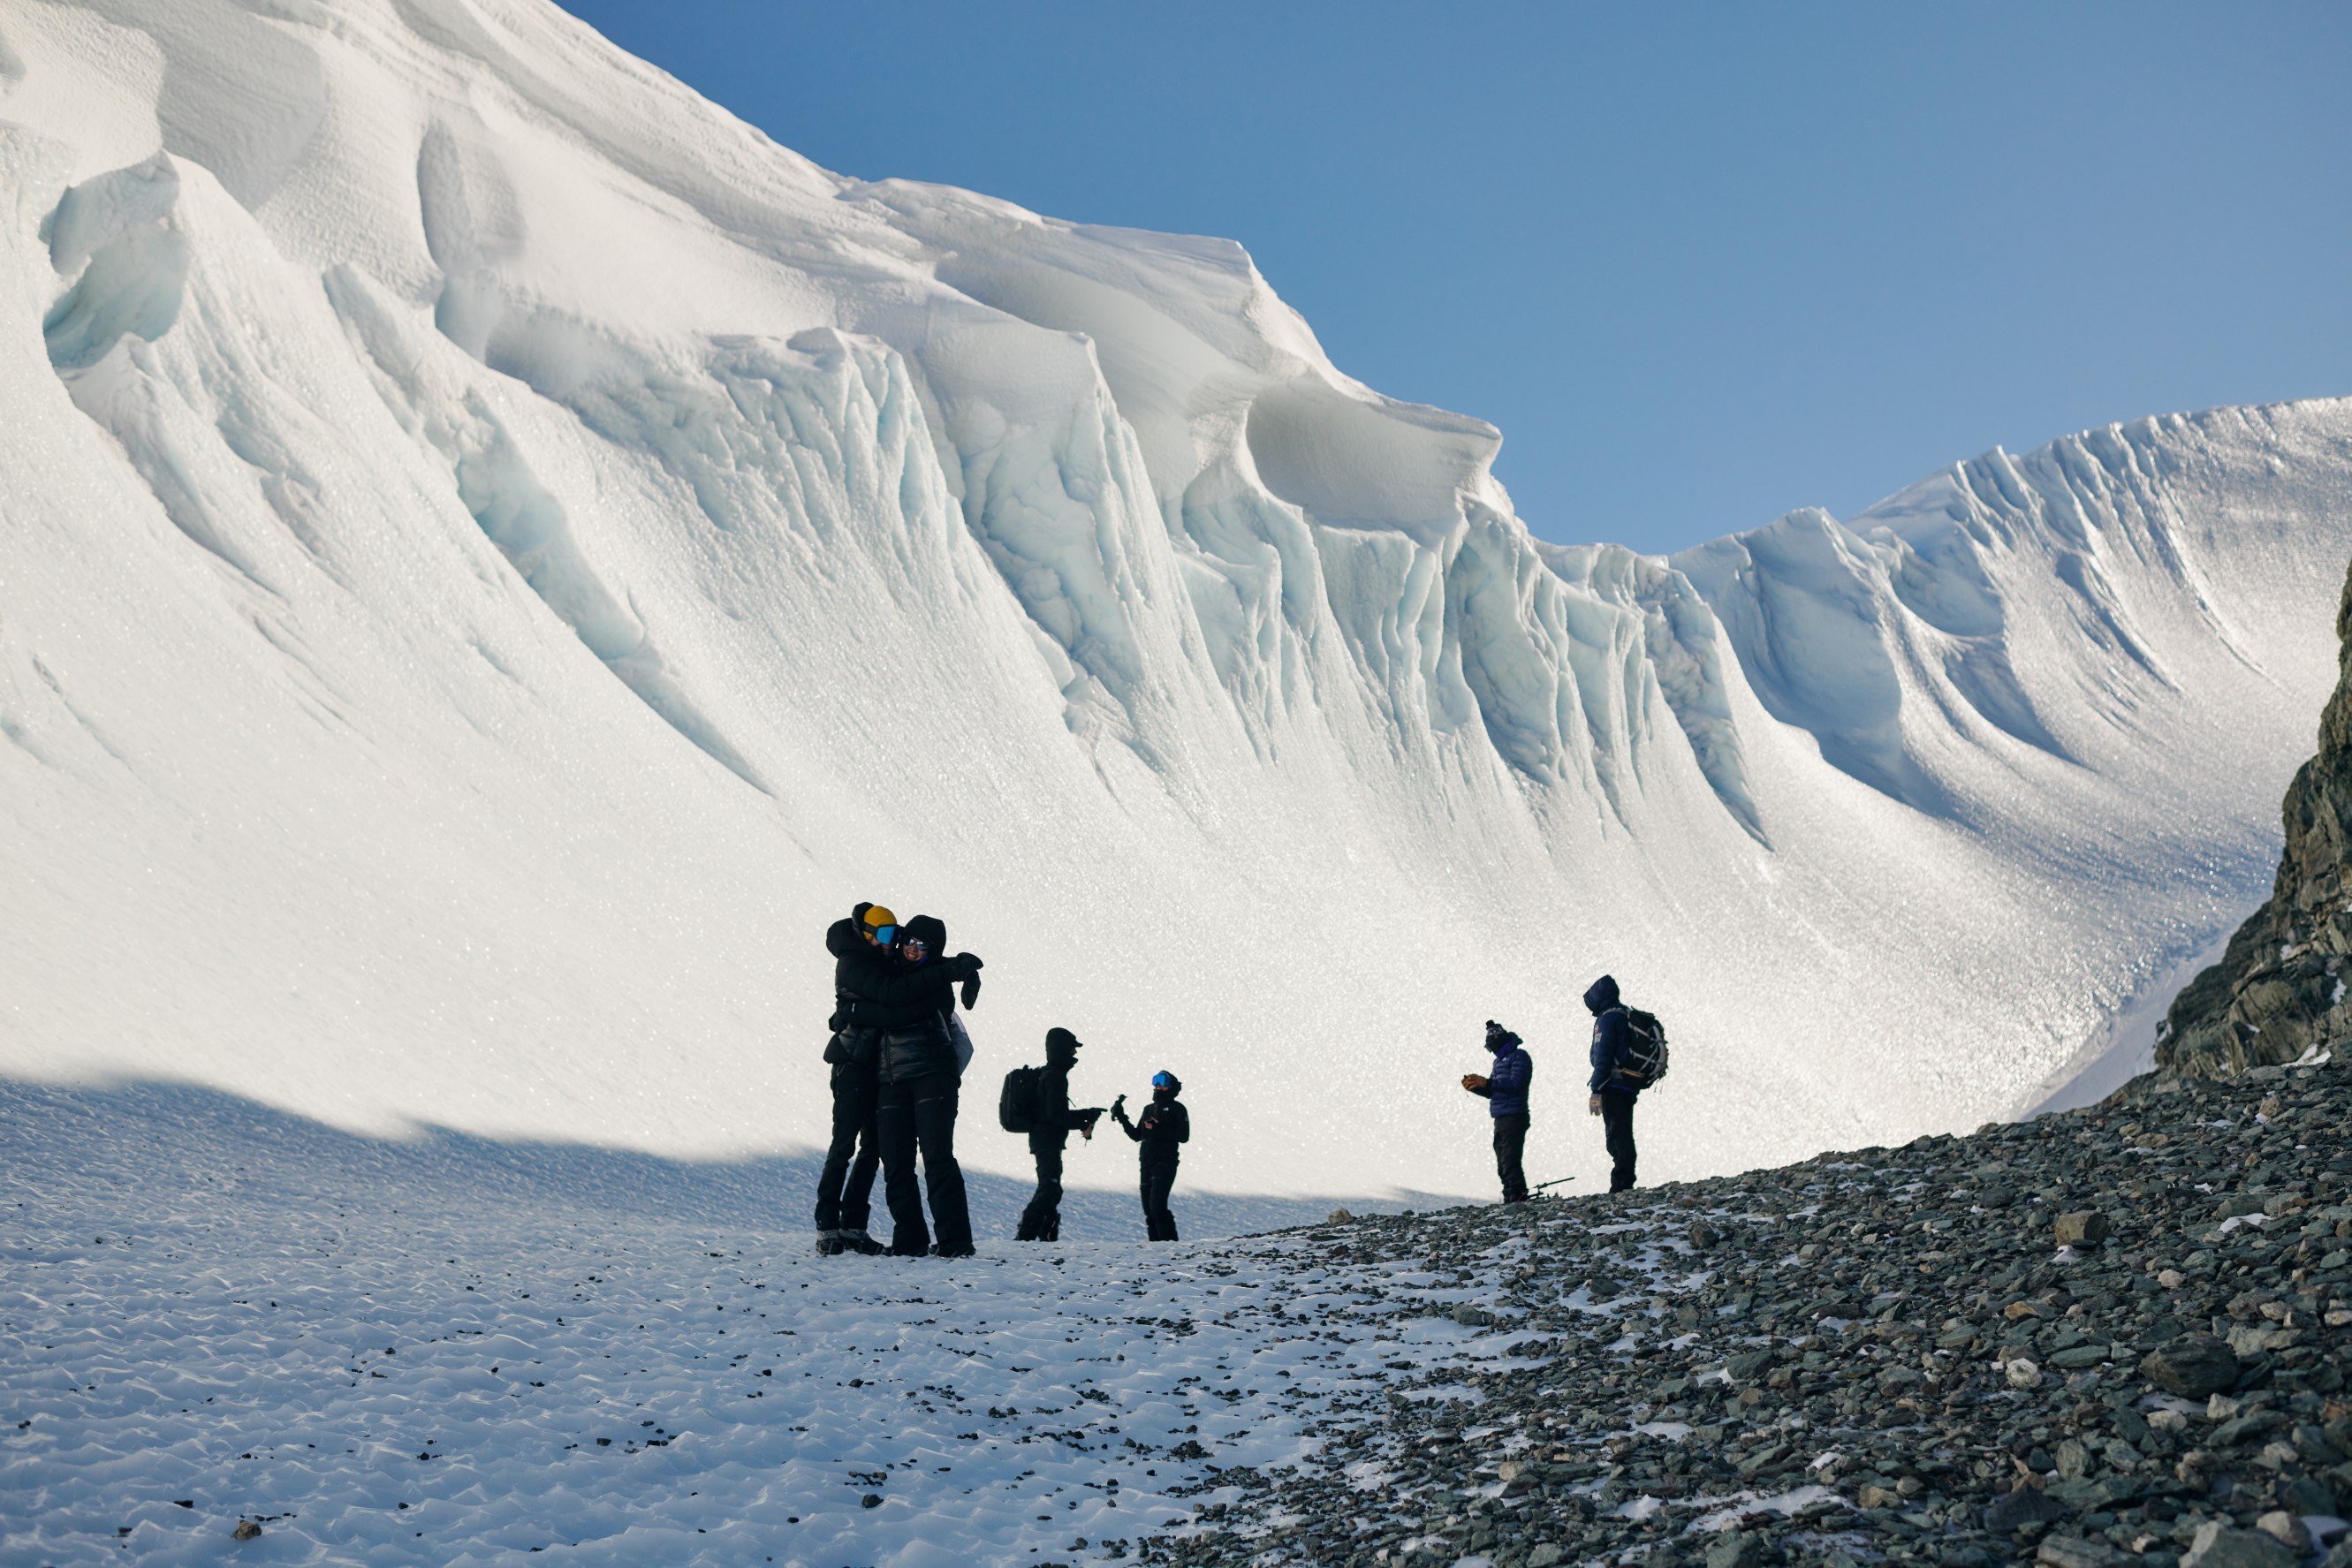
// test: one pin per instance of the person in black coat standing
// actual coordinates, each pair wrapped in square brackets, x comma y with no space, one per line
[909,1003]
[1051,1123]
[1165,1126]
[844,1187]
[1613,1091]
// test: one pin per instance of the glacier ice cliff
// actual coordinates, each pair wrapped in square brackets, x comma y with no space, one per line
[497,552]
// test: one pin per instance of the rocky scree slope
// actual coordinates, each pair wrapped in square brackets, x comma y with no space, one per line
[2276,994]
[2102,1335]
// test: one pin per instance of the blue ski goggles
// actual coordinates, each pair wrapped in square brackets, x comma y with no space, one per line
[1163,1080]
[884,934]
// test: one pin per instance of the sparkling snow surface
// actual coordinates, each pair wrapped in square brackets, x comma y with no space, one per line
[454,1353]
[495,553]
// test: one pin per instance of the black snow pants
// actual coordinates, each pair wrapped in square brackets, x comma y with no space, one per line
[918,1116]
[844,1188]
[1510,1147]
[1159,1180]
[1042,1220]
[1617,1117]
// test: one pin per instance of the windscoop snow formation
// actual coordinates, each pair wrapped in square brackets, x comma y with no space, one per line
[497,553]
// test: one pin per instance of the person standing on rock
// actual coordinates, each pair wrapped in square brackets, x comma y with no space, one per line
[1614,1092]
[1051,1123]
[1165,1124]
[844,1187]
[1505,1094]
[910,1006]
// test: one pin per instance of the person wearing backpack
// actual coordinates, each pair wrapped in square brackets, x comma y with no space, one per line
[1039,1099]
[844,1186]
[1505,1094]
[1614,1089]
[1164,1126]
[909,1004]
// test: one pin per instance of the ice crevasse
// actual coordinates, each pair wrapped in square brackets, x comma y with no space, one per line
[497,551]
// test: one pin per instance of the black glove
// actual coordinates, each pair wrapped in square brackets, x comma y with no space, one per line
[963,966]
[971,992]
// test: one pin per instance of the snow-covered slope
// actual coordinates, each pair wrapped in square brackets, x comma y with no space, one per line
[495,553]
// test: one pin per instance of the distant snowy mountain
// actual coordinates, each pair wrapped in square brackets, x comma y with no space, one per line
[495,553]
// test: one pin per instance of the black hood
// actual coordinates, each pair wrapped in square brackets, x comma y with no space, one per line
[1061,1048]
[1603,996]
[1175,1087]
[929,929]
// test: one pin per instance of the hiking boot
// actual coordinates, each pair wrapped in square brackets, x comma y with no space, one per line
[940,1249]
[828,1243]
[865,1245]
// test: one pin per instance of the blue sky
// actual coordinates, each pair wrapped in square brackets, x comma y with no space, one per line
[1700,263]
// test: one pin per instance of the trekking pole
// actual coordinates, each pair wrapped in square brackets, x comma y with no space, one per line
[1555,1182]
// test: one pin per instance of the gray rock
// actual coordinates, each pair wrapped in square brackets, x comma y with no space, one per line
[2025,1506]
[2193,1366]
[1471,1317]
[2286,1528]
[245,1531]
[2308,1494]
[2086,1228]
[2221,1545]
[1736,1549]
[2074,1552]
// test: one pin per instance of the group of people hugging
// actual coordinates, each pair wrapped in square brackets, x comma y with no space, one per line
[897,1050]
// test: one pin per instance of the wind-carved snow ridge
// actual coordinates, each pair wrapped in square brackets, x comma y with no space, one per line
[437,437]
[1683,643]
[117,237]
[528,523]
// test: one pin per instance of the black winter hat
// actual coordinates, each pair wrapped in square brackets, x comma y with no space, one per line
[1059,1039]
[927,929]
[1498,1037]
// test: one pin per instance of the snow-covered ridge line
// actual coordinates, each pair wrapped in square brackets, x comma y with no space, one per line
[504,541]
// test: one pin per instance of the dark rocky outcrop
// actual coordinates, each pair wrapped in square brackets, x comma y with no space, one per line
[2278,990]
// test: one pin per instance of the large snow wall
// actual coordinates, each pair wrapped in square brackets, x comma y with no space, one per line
[495,553]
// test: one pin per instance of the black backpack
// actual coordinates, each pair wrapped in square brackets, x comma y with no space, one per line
[1644,1059]
[1016,1108]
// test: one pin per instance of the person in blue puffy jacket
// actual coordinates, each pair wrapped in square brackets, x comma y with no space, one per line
[1505,1091]
[1614,1092]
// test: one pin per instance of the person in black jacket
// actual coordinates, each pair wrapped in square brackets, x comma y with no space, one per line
[1614,1092]
[909,1003]
[1165,1126]
[844,1187]
[1051,1123]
